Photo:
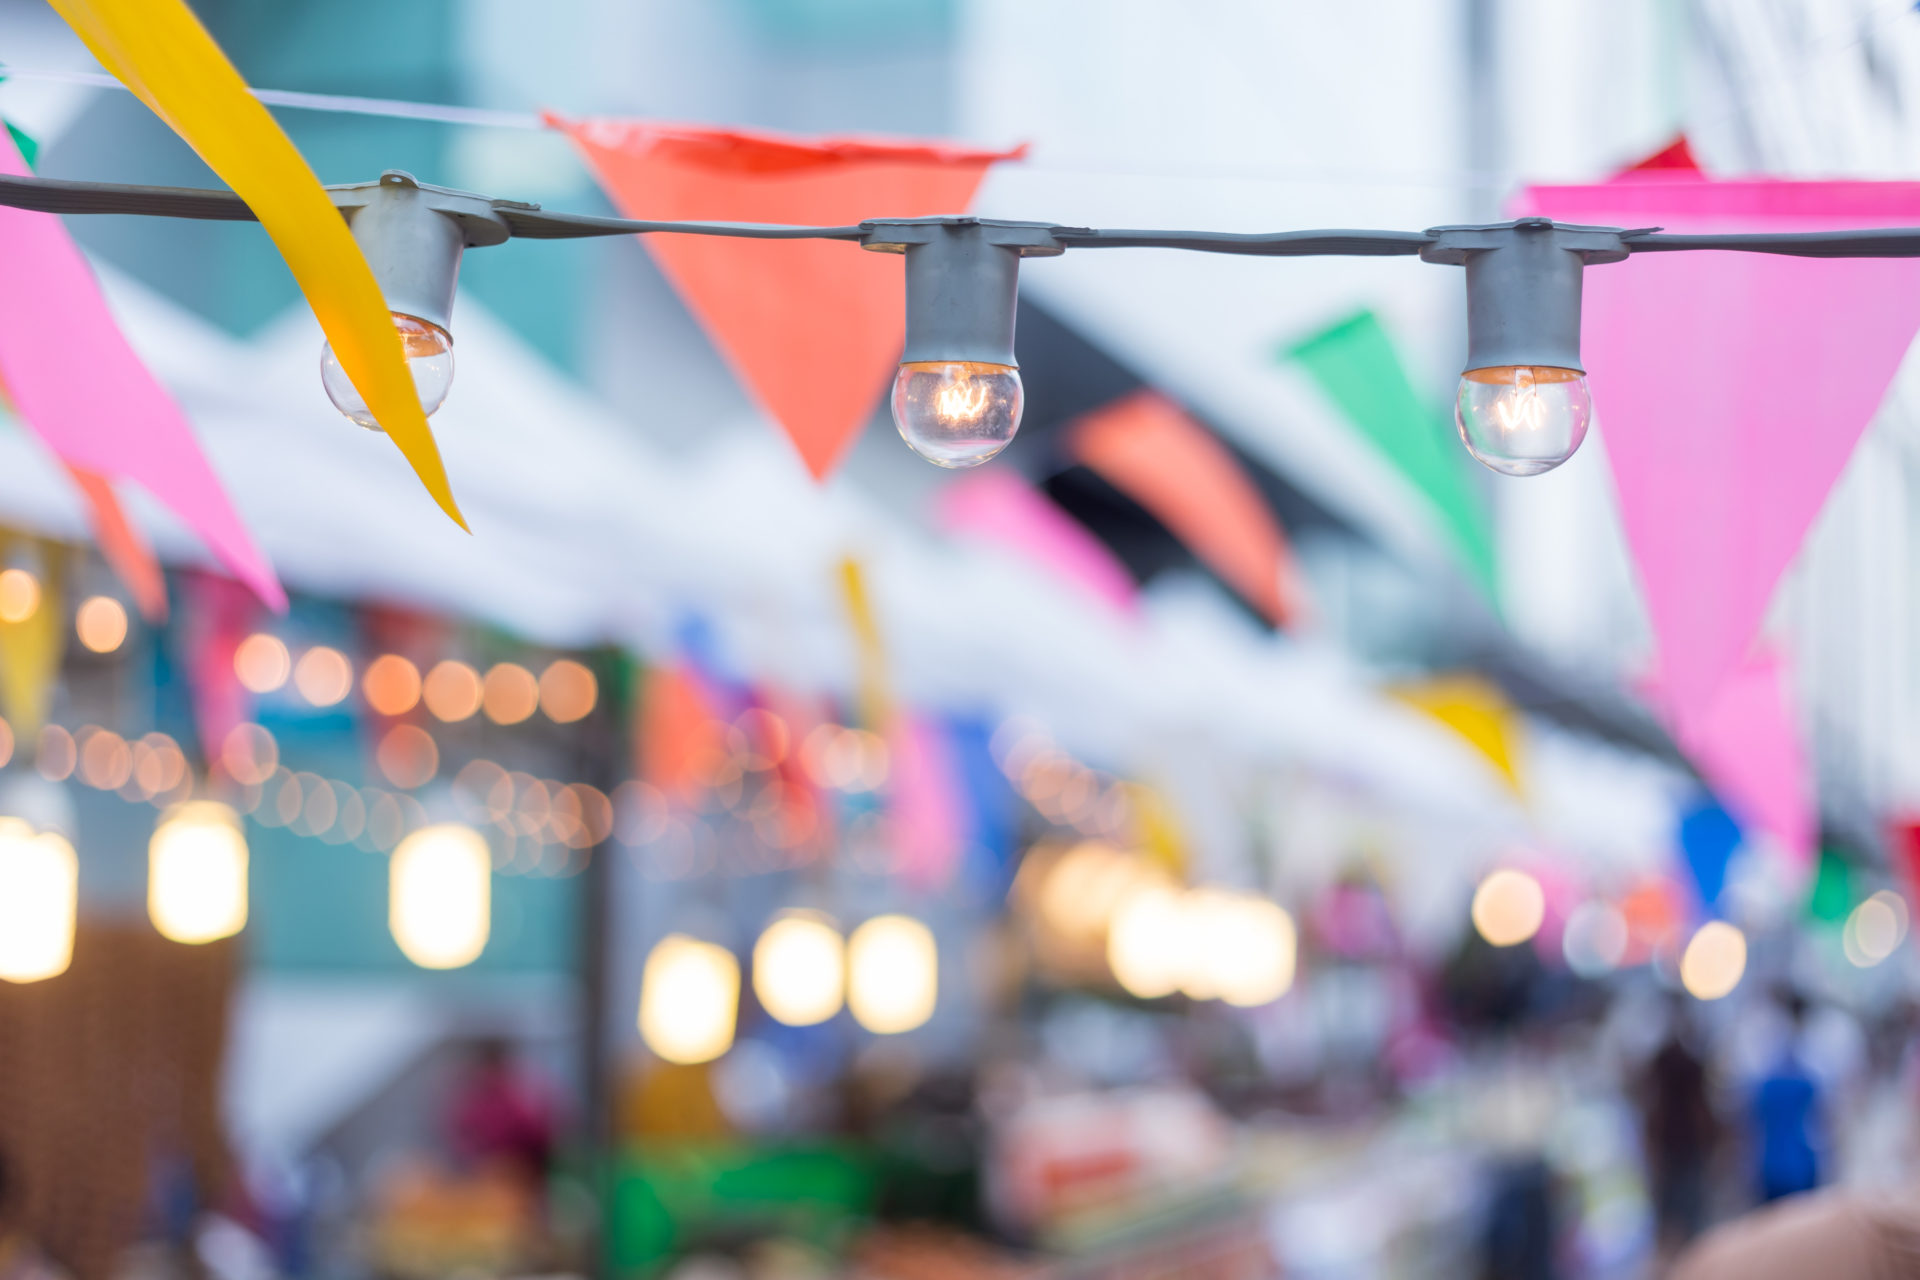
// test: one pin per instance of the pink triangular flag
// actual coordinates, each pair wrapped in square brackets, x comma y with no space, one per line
[78,385]
[1747,747]
[1732,388]
[997,505]
[923,805]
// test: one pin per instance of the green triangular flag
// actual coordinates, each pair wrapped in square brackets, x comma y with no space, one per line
[29,149]
[1831,898]
[1355,364]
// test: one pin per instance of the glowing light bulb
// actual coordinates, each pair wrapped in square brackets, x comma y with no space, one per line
[197,873]
[1521,420]
[800,969]
[440,896]
[893,974]
[1509,907]
[689,994]
[429,353]
[39,898]
[1714,961]
[957,413]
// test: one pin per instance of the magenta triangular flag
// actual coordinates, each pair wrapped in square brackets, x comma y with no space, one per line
[1747,747]
[1731,388]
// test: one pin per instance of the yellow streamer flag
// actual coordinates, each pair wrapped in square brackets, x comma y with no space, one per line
[1477,711]
[30,650]
[872,676]
[158,49]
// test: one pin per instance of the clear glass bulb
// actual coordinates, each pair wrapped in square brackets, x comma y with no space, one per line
[429,351]
[1521,420]
[957,413]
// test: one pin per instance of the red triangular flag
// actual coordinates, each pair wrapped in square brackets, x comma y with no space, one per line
[1674,158]
[1149,448]
[813,328]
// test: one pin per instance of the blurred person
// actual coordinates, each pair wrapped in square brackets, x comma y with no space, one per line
[1788,1125]
[1682,1134]
[503,1117]
[21,1257]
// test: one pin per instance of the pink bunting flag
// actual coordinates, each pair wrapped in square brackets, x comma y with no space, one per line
[998,506]
[924,808]
[1731,388]
[79,386]
[1747,747]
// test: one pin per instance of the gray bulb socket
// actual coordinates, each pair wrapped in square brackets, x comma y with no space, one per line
[963,284]
[413,235]
[1523,288]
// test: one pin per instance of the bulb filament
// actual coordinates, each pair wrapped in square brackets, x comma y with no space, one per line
[1521,408]
[961,401]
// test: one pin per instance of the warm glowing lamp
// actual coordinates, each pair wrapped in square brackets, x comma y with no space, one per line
[197,873]
[893,974]
[1147,941]
[1242,948]
[689,997]
[39,900]
[440,896]
[800,969]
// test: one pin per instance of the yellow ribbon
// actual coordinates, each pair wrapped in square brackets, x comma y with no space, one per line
[158,49]
[872,699]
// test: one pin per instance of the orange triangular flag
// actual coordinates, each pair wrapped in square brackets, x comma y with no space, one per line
[1146,446]
[813,328]
[124,547]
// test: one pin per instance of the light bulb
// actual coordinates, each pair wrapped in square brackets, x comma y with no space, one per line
[893,974]
[800,969]
[440,896]
[197,873]
[429,352]
[39,890]
[1714,961]
[1521,420]
[957,413]
[689,992]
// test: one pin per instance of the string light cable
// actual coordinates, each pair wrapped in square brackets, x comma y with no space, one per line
[1523,405]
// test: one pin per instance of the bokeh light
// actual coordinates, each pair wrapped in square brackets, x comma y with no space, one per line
[19,595]
[510,693]
[54,754]
[568,691]
[1509,907]
[1595,939]
[39,901]
[1874,929]
[689,998]
[1241,948]
[408,756]
[1147,941]
[197,873]
[1714,961]
[100,623]
[323,676]
[800,969]
[391,685]
[262,663]
[249,754]
[105,761]
[440,896]
[452,691]
[893,974]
